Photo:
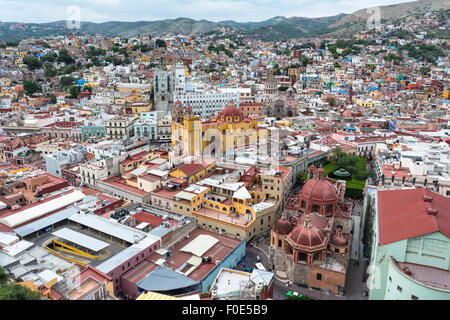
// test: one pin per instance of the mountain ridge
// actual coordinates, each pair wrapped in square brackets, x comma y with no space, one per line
[278,27]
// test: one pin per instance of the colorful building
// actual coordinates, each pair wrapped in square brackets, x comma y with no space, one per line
[410,245]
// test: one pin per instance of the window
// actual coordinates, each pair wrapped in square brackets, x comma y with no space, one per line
[319,277]
[399,288]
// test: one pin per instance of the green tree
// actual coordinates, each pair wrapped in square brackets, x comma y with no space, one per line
[50,57]
[31,87]
[74,91]
[11,291]
[65,57]
[160,43]
[66,81]
[49,71]
[70,69]
[17,292]
[33,63]
[3,276]
[52,98]
[331,101]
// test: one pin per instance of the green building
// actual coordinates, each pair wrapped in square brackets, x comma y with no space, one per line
[409,245]
[98,132]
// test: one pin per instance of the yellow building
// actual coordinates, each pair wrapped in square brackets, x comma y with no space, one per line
[227,132]
[190,199]
[446,94]
[138,108]
[366,104]
[194,171]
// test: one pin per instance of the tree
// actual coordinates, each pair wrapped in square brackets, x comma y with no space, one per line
[65,57]
[303,60]
[70,69]
[17,292]
[52,98]
[33,63]
[160,43]
[11,291]
[3,276]
[74,91]
[66,81]
[331,101]
[31,87]
[49,71]
[50,57]
[351,163]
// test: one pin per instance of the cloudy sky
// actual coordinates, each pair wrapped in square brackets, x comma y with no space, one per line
[213,10]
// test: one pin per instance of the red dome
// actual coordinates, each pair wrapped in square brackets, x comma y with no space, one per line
[231,111]
[339,241]
[283,226]
[310,237]
[322,191]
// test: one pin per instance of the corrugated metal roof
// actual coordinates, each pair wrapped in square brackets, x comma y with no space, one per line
[128,253]
[45,222]
[200,245]
[108,227]
[81,239]
[40,210]
[165,279]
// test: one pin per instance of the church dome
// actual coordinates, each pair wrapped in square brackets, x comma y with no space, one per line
[338,239]
[307,236]
[231,112]
[319,190]
[283,226]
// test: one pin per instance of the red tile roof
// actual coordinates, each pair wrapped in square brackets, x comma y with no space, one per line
[404,214]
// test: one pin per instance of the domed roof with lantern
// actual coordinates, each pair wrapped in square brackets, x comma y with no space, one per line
[319,189]
[283,226]
[307,236]
[231,114]
[338,239]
